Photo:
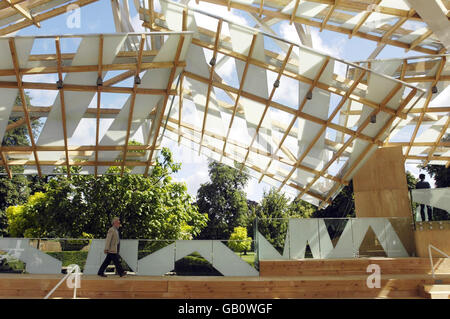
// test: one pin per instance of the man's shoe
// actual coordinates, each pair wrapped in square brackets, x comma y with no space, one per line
[124,274]
[102,275]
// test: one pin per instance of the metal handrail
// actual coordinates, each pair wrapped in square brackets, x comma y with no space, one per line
[70,270]
[431,258]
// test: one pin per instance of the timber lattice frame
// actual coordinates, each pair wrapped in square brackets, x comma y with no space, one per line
[217,100]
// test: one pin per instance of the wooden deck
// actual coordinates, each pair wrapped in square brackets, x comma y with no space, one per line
[341,280]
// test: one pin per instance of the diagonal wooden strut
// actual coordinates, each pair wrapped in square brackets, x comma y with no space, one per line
[133,100]
[166,98]
[241,88]
[63,104]
[12,47]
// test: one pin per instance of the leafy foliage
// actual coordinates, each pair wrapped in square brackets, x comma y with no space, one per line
[223,199]
[149,207]
[239,242]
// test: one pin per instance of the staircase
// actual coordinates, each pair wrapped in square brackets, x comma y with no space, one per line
[436,291]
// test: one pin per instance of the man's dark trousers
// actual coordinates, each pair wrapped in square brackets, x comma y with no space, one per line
[422,212]
[115,259]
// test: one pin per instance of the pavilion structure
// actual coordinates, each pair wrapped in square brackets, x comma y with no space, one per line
[300,120]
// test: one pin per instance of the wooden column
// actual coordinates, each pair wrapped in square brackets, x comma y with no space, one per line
[380,186]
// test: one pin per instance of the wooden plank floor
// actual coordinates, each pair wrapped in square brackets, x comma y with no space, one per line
[400,278]
[352,286]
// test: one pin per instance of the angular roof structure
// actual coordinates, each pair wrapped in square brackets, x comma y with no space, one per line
[299,119]
[18,14]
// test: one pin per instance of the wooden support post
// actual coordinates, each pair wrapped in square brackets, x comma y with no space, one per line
[241,88]
[211,73]
[99,91]
[427,102]
[385,127]
[5,164]
[286,59]
[166,97]
[63,104]
[322,130]
[12,47]
[133,100]
[299,111]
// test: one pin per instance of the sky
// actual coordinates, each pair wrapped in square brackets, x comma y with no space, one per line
[98,18]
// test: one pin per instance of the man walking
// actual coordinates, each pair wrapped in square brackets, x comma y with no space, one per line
[112,247]
[421,184]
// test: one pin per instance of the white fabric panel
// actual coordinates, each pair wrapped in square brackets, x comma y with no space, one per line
[378,88]
[144,104]
[76,103]
[256,78]
[415,34]
[436,197]
[305,9]
[8,96]
[396,4]
[431,134]
[376,20]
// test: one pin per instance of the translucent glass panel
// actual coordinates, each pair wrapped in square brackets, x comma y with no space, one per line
[330,238]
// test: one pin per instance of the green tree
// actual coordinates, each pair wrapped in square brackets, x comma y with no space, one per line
[223,199]
[19,136]
[16,191]
[272,217]
[239,241]
[441,176]
[151,207]
[23,220]
[343,205]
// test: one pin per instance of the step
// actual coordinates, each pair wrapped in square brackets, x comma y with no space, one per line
[356,266]
[437,291]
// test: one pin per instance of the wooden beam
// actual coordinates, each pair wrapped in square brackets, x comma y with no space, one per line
[24,12]
[12,47]
[322,130]
[427,102]
[133,100]
[91,68]
[5,164]
[73,163]
[363,125]
[419,40]
[329,14]
[63,104]
[211,73]
[268,103]
[230,155]
[43,16]
[294,75]
[284,16]
[299,111]
[293,14]
[438,140]
[99,93]
[166,97]
[180,106]
[241,89]
[283,108]
[83,88]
